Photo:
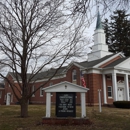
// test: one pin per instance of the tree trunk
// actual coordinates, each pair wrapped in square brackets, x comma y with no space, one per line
[24,108]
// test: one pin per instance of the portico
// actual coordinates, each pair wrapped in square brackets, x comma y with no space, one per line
[120,84]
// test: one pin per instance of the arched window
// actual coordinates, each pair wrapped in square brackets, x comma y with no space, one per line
[74,76]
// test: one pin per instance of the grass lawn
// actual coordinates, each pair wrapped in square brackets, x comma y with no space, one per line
[108,119]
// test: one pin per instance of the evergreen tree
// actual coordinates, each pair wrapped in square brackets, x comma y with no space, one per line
[118,32]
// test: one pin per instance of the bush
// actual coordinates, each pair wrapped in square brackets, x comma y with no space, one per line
[122,104]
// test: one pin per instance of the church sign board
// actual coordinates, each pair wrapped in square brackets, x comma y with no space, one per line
[65,104]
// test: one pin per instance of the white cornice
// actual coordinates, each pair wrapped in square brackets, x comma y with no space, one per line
[128,59]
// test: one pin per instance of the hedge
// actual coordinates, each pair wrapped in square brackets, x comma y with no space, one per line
[122,104]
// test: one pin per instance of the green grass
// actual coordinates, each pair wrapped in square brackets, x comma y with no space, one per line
[108,119]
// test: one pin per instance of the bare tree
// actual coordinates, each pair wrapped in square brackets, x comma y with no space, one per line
[37,33]
[86,7]
[34,34]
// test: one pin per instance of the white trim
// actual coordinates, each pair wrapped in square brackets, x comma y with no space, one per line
[104,89]
[129,92]
[114,84]
[65,87]
[48,104]
[126,87]
[110,97]
[83,105]
[41,92]
[128,59]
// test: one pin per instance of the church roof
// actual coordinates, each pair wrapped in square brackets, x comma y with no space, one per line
[41,75]
[89,64]
[63,70]
[116,62]
[49,73]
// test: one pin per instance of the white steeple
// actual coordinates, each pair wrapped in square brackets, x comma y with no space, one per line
[100,48]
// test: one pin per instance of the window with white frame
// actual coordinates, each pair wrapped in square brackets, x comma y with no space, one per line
[0,94]
[74,76]
[33,89]
[129,92]
[41,92]
[109,90]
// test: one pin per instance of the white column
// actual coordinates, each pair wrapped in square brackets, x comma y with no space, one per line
[104,89]
[114,82]
[126,86]
[83,105]
[48,104]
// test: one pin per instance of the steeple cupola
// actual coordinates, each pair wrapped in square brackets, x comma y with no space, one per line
[100,48]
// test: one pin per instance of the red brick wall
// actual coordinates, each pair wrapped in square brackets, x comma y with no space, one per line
[8,89]
[94,82]
[37,99]
[2,96]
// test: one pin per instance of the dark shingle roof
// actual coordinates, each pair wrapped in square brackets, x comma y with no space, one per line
[41,75]
[116,62]
[62,70]
[87,64]
[49,73]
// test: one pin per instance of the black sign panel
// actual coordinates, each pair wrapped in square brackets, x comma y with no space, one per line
[65,104]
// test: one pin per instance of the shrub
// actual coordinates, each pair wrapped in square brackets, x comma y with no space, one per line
[122,104]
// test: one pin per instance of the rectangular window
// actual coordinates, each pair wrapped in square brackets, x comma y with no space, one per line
[0,94]
[109,88]
[129,92]
[33,89]
[74,75]
[41,92]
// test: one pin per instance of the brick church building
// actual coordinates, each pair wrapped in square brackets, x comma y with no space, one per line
[103,70]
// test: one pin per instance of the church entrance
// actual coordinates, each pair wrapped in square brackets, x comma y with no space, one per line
[120,94]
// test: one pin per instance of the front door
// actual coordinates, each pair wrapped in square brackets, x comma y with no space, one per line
[8,99]
[120,94]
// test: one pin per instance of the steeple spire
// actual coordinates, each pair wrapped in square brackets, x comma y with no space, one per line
[100,48]
[99,24]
